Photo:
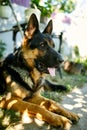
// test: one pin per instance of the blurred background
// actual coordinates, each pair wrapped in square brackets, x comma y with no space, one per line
[69,18]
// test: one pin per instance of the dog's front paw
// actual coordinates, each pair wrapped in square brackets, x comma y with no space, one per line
[73,117]
[62,122]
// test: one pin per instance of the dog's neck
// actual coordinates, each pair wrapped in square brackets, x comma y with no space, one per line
[31,75]
[36,75]
[33,71]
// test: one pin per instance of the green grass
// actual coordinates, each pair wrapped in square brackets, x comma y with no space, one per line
[7,117]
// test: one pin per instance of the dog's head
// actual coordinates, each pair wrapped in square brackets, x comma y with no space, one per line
[38,47]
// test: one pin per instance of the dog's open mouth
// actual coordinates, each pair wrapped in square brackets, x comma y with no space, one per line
[52,71]
[48,70]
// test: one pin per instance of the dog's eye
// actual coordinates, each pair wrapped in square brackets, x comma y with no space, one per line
[42,44]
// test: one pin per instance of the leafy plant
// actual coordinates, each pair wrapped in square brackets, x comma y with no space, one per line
[85,63]
[8,117]
[80,59]
[2,48]
[46,9]
[67,5]
[49,6]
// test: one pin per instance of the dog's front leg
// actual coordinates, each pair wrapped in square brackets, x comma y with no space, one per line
[36,111]
[54,107]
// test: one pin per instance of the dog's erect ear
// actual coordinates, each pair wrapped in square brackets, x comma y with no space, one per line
[49,27]
[32,26]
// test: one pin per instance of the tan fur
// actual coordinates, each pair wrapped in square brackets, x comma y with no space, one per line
[38,111]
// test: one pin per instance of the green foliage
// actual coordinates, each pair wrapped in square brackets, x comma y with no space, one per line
[50,5]
[76,51]
[67,5]
[52,95]
[85,63]
[46,10]
[7,117]
[2,48]
[78,58]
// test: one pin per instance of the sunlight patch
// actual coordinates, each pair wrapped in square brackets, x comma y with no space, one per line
[39,122]
[78,91]
[18,127]
[85,110]
[39,115]
[6,120]
[10,104]
[80,100]
[78,105]
[80,115]
[26,118]
[70,96]
[68,106]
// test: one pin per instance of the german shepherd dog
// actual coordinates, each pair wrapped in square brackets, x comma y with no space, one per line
[22,76]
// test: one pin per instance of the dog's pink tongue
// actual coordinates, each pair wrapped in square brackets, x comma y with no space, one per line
[51,71]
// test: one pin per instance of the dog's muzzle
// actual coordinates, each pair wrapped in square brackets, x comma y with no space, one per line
[49,66]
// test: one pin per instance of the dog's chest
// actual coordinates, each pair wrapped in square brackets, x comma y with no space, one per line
[24,75]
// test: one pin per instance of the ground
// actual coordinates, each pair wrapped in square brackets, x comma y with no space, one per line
[75,101]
